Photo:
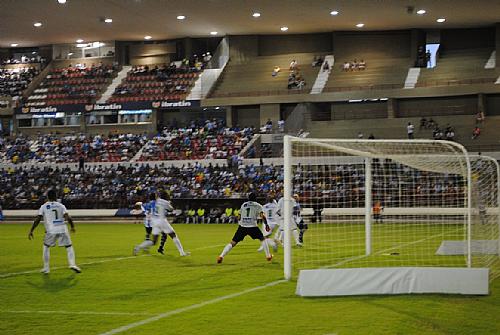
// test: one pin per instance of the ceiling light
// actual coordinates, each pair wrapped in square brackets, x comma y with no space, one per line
[61,1]
[181,17]
[14,45]
[421,11]
[79,40]
[360,25]
[33,53]
[256,14]
[441,20]
[108,20]
[284,28]
[37,24]
[70,54]
[213,33]
[334,12]
[147,37]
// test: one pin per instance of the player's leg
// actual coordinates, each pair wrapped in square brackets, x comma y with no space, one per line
[65,241]
[237,238]
[161,248]
[49,241]
[46,259]
[148,232]
[256,234]
[145,245]
[302,227]
[178,244]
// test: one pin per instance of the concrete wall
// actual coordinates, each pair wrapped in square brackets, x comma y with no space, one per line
[465,105]
[298,43]
[246,116]
[243,48]
[470,38]
[269,111]
[362,45]
[145,54]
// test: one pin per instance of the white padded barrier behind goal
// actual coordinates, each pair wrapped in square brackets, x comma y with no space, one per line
[397,280]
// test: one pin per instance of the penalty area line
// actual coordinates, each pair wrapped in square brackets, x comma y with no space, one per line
[189,308]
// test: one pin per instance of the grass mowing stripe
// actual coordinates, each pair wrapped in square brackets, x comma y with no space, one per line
[191,307]
[76,313]
[355,258]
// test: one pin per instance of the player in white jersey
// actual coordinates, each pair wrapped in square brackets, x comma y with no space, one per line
[251,211]
[269,210]
[280,214]
[54,215]
[158,208]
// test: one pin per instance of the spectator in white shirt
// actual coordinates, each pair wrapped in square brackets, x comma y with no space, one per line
[410,128]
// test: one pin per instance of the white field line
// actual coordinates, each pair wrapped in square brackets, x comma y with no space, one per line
[76,313]
[12,274]
[189,308]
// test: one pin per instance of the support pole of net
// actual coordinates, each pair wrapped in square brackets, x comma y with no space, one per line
[287,194]
[368,206]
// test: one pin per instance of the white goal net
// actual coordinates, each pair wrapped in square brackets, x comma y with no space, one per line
[390,203]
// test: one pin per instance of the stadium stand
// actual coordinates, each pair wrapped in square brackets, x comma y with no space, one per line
[379,73]
[68,149]
[211,140]
[255,77]
[14,81]
[79,84]
[459,67]
[156,82]
[119,186]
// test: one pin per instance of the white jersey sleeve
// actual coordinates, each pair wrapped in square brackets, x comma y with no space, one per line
[53,216]
[250,212]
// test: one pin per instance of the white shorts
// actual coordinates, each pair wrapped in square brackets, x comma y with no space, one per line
[162,226]
[62,239]
[272,225]
[293,225]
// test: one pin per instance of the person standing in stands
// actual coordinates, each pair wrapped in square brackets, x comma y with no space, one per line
[81,163]
[410,128]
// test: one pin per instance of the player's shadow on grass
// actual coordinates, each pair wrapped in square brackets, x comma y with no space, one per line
[51,284]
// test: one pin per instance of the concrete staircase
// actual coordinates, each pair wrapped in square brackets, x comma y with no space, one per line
[491,63]
[322,77]
[114,84]
[412,77]
[204,84]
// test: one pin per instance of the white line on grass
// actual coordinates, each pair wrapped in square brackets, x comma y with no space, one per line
[6,275]
[191,307]
[76,312]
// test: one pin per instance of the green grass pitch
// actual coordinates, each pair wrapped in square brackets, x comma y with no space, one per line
[116,290]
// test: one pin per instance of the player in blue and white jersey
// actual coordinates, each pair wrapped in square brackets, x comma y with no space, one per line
[157,209]
[55,216]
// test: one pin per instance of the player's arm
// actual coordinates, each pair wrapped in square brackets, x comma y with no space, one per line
[70,221]
[264,220]
[34,225]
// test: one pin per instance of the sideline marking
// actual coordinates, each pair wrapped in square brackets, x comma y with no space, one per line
[191,307]
[76,312]
[12,274]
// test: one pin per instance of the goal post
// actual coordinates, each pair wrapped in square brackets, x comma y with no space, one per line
[388,207]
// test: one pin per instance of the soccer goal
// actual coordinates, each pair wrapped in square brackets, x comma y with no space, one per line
[391,217]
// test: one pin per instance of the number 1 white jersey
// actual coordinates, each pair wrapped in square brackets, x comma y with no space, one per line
[53,217]
[270,210]
[250,213]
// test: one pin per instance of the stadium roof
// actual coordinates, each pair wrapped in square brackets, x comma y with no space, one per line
[135,19]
